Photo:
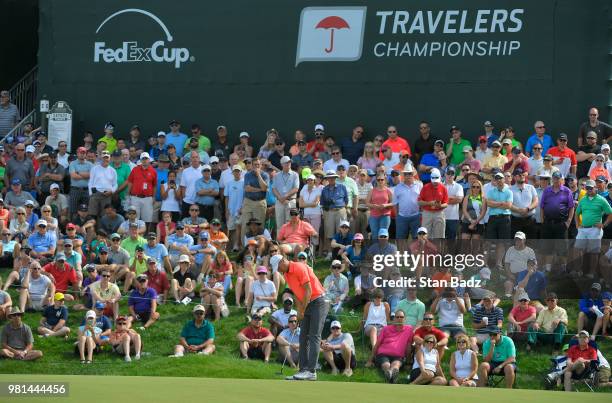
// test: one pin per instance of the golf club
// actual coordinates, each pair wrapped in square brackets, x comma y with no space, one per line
[286,355]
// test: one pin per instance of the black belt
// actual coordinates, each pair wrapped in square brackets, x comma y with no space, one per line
[263,198]
[80,188]
[141,196]
[555,221]
[499,216]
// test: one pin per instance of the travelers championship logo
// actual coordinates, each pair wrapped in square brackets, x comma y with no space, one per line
[130,52]
[330,34]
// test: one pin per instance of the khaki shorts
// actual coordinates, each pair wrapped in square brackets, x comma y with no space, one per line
[233,222]
[156,211]
[603,375]
[331,221]
[144,207]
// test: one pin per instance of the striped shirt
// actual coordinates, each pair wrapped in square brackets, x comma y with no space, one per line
[495,314]
[9,117]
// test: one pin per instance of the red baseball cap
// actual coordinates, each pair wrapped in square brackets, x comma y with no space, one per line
[81,149]
[482,139]
[70,225]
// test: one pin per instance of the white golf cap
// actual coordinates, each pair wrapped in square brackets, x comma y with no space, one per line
[161,134]
[54,186]
[90,314]
[485,273]
[408,168]
[214,158]
[344,224]
[30,149]
[285,159]
[335,323]
[237,168]
[319,127]
[41,222]
[435,175]
[422,229]
[206,167]
[145,155]
[520,235]
[244,134]
[184,258]
[336,263]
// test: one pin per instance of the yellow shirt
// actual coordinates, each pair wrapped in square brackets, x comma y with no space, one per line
[494,162]
[111,143]
[546,317]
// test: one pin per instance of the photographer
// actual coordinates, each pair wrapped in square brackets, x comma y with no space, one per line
[170,196]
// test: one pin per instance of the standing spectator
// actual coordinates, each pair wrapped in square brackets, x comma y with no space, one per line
[58,203]
[483,152]
[203,141]
[142,185]
[564,157]
[430,161]
[278,153]
[176,137]
[20,169]
[108,139]
[285,187]
[364,186]
[79,171]
[9,114]
[469,159]
[16,339]
[54,319]
[395,143]
[352,190]
[309,200]
[495,160]
[380,202]
[516,160]
[302,158]
[207,190]
[369,159]
[255,340]
[339,350]
[434,199]
[536,162]
[233,192]
[352,147]
[102,184]
[197,336]
[393,347]
[189,177]
[579,359]
[425,143]
[142,303]
[539,137]
[334,199]
[601,129]
[255,187]
[498,358]
[455,197]
[335,160]
[499,200]
[123,169]
[405,198]
[455,146]
[160,148]
[524,202]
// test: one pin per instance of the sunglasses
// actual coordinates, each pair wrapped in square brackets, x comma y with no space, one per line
[540,127]
[336,267]
[522,300]
[461,342]
[295,321]
[428,318]
[537,148]
[380,180]
[199,313]
[273,250]
[20,213]
[121,323]
[335,153]
[399,317]
[429,341]
[475,187]
[106,275]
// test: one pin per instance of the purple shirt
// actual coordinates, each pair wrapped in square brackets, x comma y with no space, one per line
[556,205]
[142,302]
[87,281]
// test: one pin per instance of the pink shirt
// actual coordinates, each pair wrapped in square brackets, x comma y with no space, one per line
[393,342]
[520,315]
[380,196]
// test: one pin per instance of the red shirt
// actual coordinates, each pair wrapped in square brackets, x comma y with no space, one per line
[422,332]
[523,164]
[143,181]
[158,281]
[396,145]
[567,153]
[520,315]
[252,334]
[576,352]
[431,193]
[300,235]
[62,277]
[300,274]
[314,148]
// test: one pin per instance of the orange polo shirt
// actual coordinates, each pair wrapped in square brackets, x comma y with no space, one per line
[300,274]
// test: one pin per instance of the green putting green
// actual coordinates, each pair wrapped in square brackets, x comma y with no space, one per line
[163,389]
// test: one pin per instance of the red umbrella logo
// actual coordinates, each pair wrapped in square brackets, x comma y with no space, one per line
[333,22]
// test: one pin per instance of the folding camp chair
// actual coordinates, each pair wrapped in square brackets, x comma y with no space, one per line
[589,377]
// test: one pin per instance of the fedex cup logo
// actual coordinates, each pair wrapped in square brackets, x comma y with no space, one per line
[330,34]
[130,51]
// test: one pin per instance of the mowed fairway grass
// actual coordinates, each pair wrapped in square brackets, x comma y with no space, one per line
[60,359]
[121,389]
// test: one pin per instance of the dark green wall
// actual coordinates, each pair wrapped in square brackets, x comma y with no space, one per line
[244,74]
[19,46]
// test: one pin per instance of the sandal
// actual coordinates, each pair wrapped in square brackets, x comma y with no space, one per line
[82,361]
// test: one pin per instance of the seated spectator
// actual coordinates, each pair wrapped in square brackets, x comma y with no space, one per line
[515,261]
[217,237]
[279,320]
[606,297]
[486,317]
[463,364]
[222,265]
[339,350]
[37,290]
[88,338]
[16,339]
[413,308]
[212,296]
[591,306]
[427,328]
[245,273]
[364,286]
[107,293]
[5,302]
[255,341]
[550,326]
[142,303]
[376,315]
[203,253]
[125,341]
[426,369]
[138,266]
[296,233]
[532,281]
[54,319]
[498,358]
[336,286]
[341,240]
[178,244]
[521,318]
[353,255]
[393,347]
[183,282]
[255,230]
[288,342]
[102,321]
[194,223]
[579,358]
[197,336]
[157,280]
[112,222]
[262,295]
[450,309]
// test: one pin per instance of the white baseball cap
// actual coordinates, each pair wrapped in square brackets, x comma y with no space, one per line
[244,134]
[485,273]
[214,158]
[520,235]
[435,175]
[335,324]
[422,229]
[41,222]
[90,314]
[320,127]
[285,159]
[54,186]
[161,134]
[30,149]
[184,258]
[237,168]
[145,155]
[206,167]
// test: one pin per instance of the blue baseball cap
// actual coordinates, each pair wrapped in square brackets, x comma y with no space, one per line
[16,181]
[606,295]
[302,255]
[383,232]
[100,305]
[204,235]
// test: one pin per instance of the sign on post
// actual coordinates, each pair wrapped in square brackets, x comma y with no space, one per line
[59,124]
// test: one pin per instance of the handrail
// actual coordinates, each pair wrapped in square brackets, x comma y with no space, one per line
[30,118]
[24,93]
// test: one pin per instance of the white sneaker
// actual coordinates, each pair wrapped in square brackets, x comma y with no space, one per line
[128,359]
[299,376]
[137,357]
